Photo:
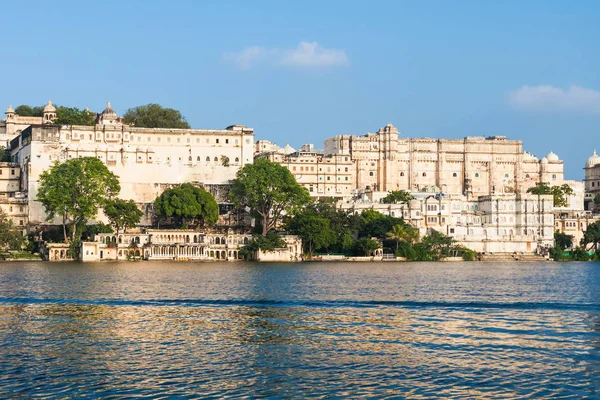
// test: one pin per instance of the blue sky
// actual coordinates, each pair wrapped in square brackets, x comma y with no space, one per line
[302,71]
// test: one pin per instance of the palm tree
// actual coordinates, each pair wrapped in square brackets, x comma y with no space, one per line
[403,232]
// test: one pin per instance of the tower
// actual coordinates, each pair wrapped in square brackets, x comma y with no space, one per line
[49,113]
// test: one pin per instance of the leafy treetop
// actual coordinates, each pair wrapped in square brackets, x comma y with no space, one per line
[27,111]
[10,237]
[397,196]
[269,190]
[187,203]
[74,116]
[75,190]
[313,228]
[122,214]
[559,193]
[155,116]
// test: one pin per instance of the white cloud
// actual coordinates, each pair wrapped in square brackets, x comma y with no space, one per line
[310,54]
[305,55]
[549,98]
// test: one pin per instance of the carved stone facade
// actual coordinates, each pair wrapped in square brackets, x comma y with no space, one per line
[146,160]
[505,223]
[383,162]
[12,201]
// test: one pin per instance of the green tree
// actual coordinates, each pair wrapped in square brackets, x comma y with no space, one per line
[403,232]
[562,241]
[74,116]
[436,245]
[75,190]
[343,224]
[155,116]
[312,228]
[10,236]
[597,199]
[591,235]
[560,193]
[270,242]
[397,196]
[375,224]
[187,203]
[269,190]
[122,214]
[4,154]
[366,246]
[27,111]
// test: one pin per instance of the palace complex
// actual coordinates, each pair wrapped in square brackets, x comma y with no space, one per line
[384,161]
[147,161]
[473,189]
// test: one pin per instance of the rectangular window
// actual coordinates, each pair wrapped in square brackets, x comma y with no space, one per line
[226,141]
[217,141]
[12,171]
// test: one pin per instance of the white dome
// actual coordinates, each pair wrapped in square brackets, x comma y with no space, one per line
[109,112]
[544,160]
[527,156]
[288,149]
[593,160]
[49,107]
[10,110]
[552,157]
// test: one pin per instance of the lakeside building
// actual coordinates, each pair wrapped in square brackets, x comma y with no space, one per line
[384,161]
[592,180]
[12,201]
[170,244]
[147,160]
[480,183]
[505,223]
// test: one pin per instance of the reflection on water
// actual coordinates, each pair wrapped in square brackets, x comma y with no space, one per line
[311,330]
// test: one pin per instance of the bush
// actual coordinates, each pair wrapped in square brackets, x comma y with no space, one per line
[468,254]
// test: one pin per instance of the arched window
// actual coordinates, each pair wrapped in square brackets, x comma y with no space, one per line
[506,175]
[454,175]
[190,158]
[401,173]
[216,159]
[198,158]
[424,174]
[371,173]
[476,174]
[207,159]
[237,159]
[527,176]
[554,176]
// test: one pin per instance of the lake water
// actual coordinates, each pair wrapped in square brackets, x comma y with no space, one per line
[161,329]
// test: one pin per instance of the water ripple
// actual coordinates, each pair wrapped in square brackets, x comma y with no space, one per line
[163,330]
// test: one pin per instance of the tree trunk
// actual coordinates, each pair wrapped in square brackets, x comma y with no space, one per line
[264,226]
[64,228]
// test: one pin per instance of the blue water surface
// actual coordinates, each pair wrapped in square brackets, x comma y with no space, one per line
[316,330]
